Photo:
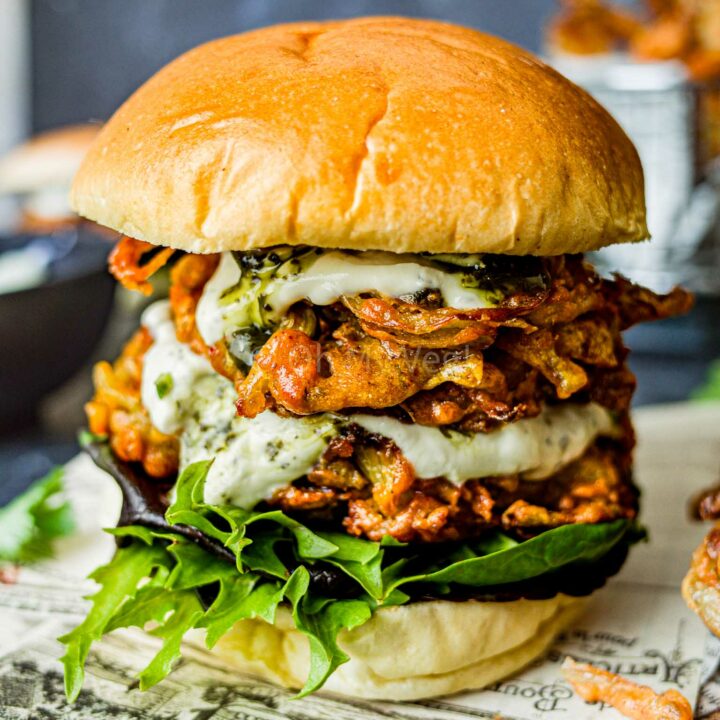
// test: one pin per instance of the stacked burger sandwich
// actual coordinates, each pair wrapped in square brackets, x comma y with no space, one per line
[377,437]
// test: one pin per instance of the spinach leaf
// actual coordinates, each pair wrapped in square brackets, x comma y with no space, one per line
[542,554]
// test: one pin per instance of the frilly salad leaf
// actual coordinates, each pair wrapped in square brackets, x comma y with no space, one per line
[166,579]
[31,522]
[120,582]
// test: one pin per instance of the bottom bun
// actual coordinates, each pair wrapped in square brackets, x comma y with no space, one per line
[408,652]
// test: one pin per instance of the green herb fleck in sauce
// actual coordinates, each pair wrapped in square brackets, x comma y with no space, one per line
[164,385]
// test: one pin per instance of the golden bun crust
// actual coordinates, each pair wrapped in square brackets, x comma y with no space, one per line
[409,652]
[373,133]
[49,159]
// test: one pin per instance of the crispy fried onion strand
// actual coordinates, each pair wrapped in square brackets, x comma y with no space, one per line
[187,280]
[538,350]
[636,304]
[634,701]
[475,409]
[125,263]
[415,326]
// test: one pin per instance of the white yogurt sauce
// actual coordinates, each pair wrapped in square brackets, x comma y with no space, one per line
[336,273]
[324,281]
[534,447]
[212,317]
[251,457]
[168,358]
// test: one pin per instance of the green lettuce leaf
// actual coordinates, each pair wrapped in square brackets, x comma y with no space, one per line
[321,622]
[30,523]
[119,580]
[186,612]
[240,598]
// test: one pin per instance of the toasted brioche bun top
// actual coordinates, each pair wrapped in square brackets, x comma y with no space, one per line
[374,133]
[47,160]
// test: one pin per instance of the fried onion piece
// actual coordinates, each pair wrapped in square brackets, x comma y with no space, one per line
[634,701]
[638,304]
[589,340]
[349,370]
[590,490]
[705,65]
[447,406]
[424,518]
[187,280]
[521,514]
[125,264]
[451,405]
[478,409]
[669,37]
[416,326]
[464,372]
[340,474]
[292,498]
[369,478]
[433,511]
[701,586]
[590,27]
[389,472]
[612,388]
[706,506]
[335,470]
[116,410]
[538,350]
[576,291]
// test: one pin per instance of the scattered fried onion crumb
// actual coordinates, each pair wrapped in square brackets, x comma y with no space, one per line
[637,702]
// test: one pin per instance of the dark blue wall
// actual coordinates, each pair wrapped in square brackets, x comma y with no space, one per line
[89,55]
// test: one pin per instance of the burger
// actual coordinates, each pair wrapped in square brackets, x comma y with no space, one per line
[40,172]
[377,437]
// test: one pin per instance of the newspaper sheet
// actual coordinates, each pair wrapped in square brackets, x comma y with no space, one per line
[637,625]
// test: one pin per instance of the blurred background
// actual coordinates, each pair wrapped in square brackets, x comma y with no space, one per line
[65,65]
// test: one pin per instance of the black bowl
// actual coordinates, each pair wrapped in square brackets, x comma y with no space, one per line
[49,331]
